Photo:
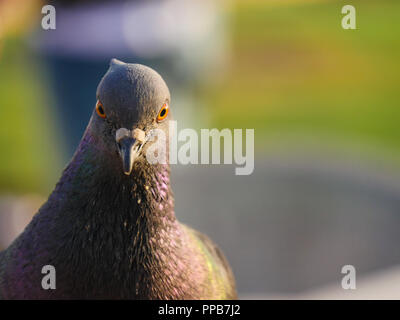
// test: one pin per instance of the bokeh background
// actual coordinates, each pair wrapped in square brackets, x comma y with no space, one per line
[324,103]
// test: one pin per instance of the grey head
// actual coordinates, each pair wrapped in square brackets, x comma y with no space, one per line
[132,101]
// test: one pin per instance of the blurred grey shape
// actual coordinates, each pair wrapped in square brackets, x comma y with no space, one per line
[293,224]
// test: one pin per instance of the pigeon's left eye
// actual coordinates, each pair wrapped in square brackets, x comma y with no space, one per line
[100,110]
[163,113]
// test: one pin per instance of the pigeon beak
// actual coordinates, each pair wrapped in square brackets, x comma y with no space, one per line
[128,153]
[129,145]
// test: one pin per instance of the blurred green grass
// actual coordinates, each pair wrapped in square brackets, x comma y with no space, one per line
[295,70]
[30,151]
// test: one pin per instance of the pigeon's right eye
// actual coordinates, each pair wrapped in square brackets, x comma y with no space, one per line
[100,110]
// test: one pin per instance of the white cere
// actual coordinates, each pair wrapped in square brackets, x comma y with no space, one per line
[121,133]
[139,135]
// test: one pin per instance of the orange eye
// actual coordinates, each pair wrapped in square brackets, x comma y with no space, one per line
[163,113]
[100,110]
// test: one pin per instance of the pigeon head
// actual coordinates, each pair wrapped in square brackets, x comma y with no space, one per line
[132,101]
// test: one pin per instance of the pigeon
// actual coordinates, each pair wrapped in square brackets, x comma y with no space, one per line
[109,228]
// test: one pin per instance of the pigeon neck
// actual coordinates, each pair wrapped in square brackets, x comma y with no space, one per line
[111,230]
[144,195]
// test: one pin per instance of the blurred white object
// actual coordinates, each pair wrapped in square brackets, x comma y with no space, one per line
[15,213]
[191,31]
[378,285]
[188,31]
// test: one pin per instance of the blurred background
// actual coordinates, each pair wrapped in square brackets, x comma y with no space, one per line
[324,103]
